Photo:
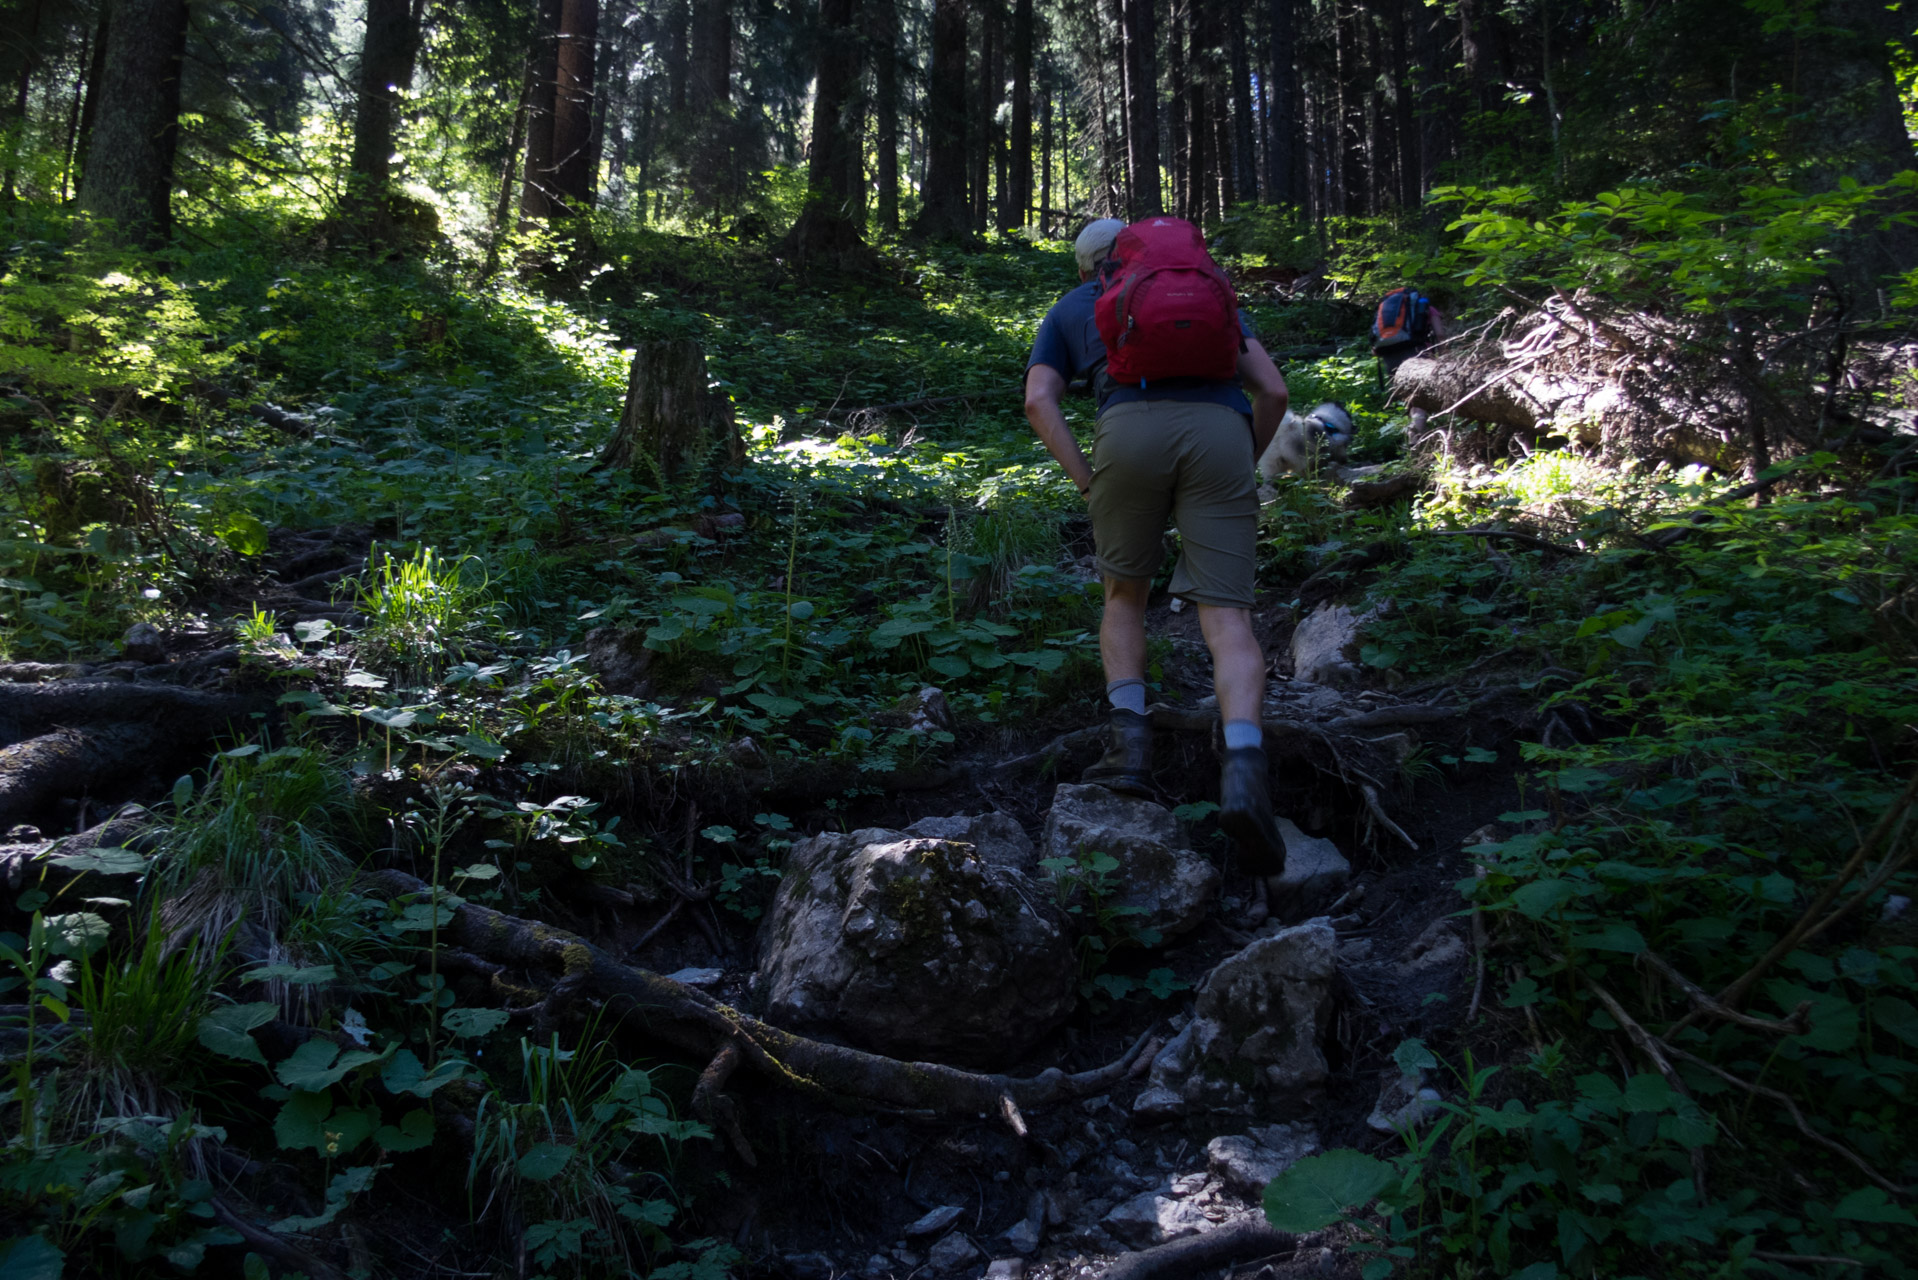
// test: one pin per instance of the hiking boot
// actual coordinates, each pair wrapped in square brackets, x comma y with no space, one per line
[1245,812]
[1127,766]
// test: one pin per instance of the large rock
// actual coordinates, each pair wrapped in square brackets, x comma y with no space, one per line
[1323,645]
[915,947]
[1170,884]
[1244,1163]
[1315,873]
[997,837]
[1154,1218]
[1259,1020]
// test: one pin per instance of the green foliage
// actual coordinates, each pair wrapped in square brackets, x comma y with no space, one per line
[554,1158]
[263,829]
[1087,886]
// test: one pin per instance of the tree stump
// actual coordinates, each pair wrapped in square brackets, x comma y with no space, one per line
[673,421]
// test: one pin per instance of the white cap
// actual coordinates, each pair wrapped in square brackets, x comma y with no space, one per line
[1095,242]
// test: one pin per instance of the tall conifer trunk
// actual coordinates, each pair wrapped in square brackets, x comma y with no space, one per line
[1021,160]
[943,214]
[573,105]
[885,84]
[129,170]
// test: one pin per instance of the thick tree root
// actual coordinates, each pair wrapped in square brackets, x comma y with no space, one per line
[1188,1256]
[40,770]
[28,709]
[281,1250]
[68,737]
[701,1027]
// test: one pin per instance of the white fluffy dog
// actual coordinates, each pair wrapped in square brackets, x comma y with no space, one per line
[1303,445]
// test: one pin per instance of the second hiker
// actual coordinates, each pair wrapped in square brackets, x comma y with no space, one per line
[1155,325]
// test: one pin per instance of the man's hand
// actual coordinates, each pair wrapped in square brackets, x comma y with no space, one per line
[1044,386]
[1269,395]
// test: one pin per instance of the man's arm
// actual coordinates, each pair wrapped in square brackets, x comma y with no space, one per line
[1269,394]
[1044,385]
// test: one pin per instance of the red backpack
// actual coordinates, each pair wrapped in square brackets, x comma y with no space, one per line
[1167,311]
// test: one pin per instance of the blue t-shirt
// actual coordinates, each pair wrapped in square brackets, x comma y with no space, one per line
[1069,341]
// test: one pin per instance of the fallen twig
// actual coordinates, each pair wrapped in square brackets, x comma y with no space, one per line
[1654,1049]
[1796,1025]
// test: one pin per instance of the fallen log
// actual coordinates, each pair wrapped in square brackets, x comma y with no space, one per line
[42,769]
[700,1026]
[1378,493]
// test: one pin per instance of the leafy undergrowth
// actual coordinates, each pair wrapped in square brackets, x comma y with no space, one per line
[1700,1032]
[1721,735]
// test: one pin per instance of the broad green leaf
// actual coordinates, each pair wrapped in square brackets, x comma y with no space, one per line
[31,1257]
[1871,1204]
[468,1023]
[300,1124]
[1317,1191]
[318,1064]
[950,664]
[78,934]
[1614,936]
[544,1161]
[105,862]
[225,1029]
[1897,1017]
[415,1131]
[774,705]
[1542,897]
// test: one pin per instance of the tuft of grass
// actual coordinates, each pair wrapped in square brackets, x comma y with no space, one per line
[262,831]
[421,612]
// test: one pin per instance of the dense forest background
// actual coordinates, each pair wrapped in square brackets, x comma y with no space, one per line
[493,493]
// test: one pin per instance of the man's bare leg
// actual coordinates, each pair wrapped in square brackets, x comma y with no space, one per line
[1127,765]
[1238,677]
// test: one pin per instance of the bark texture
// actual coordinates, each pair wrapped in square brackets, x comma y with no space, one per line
[944,215]
[673,421]
[136,129]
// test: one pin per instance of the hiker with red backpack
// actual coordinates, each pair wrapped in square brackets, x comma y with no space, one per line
[1405,324]
[1155,326]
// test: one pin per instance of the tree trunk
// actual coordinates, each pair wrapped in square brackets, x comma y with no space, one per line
[1179,85]
[129,173]
[942,214]
[711,104]
[1045,159]
[985,101]
[1142,105]
[1022,112]
[1283,118]
[13,119]
[885,86]
[1245,154]
[825,231]
[673,422]
[578,36]
[385,74]
[1410,160]
[536,191]
[503,207]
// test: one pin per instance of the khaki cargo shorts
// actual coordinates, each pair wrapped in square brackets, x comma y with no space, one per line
[1159,459]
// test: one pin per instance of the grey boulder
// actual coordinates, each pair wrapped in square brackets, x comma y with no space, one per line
[915,947]
[1315,873]
[1261,1015]
[1244,1163]
[1169,884]
[997,838]
[1154,1218]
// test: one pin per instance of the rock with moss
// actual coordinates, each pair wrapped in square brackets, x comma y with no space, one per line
[1258,1025]
[915,947]
[1165,885]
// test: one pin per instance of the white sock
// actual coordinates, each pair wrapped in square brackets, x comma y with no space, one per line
[1127,695]
[1243,733]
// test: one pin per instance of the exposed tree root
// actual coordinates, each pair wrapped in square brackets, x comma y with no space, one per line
[1189,1256]
[70,736]
[27,709]
[278,1248]
[40,770]
[699,1026]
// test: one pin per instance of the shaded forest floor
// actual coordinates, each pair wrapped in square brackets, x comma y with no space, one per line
[348,520]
